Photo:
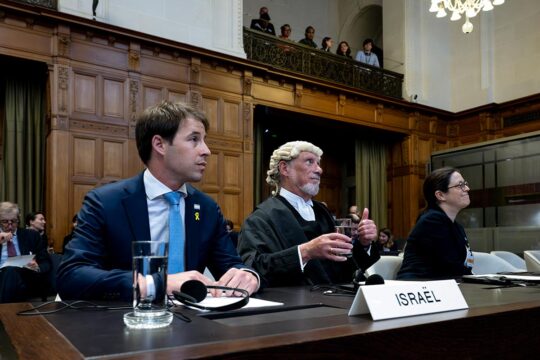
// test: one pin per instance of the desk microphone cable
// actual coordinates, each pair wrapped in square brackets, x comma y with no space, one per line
[84,305]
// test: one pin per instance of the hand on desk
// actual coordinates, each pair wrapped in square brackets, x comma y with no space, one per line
[234,278]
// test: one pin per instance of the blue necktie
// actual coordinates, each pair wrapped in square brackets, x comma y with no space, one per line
[176,234]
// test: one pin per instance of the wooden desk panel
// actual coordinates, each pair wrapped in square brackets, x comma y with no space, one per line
[499,323]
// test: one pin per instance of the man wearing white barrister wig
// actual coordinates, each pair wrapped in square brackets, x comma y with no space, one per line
[290,238]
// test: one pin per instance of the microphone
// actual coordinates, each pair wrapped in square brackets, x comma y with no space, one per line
[375,279]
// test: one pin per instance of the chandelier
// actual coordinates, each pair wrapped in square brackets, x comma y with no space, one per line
[459,7]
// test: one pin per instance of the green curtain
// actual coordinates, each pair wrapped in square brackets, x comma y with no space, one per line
[371,184]
[23,165]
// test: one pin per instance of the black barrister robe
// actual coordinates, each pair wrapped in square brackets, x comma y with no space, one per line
[269,239]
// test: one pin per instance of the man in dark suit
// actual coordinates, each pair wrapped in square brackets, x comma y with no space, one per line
[290,239]
[97,262]
[20,283]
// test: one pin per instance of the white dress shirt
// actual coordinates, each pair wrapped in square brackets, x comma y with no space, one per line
[304,208]
[158,214]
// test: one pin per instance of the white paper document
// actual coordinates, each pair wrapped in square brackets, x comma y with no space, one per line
[210,301]
[18,261]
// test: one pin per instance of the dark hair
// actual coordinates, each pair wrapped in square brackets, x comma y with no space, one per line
[347,53]
[324,40]
[229,223]
[367,41]
[438,180]
[390,242]
[265,16]
[74,219]
[32,216]
[284,26]
[309,27]
[164,120]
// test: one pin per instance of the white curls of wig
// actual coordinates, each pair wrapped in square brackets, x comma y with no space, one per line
[287,152]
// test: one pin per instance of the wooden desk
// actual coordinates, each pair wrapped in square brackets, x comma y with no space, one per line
[503,323]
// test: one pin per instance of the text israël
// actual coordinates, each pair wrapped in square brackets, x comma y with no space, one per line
[416,298]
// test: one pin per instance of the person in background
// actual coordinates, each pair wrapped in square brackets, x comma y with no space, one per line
[36,221]
[308,37]
[386,244]
[344,49]
[97,263]
[286,31]
[437,246]
[263,22]
[290,239]
[20,283]
[327,43]
[69,236]
[366,56]
[229,225]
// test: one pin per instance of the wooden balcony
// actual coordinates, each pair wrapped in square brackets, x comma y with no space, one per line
[291,56]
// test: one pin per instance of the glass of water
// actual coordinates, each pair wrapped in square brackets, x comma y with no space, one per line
[346,227]
[149,304]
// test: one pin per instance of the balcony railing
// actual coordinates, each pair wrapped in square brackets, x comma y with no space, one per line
[291,56]
[51,4]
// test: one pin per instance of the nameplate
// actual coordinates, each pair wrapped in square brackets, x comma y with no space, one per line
[407,298]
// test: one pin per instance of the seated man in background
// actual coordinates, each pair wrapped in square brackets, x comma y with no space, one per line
[290,239]
[20,283]
[97,262]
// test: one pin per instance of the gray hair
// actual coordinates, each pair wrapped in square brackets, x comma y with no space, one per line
[287,152]
[8,208]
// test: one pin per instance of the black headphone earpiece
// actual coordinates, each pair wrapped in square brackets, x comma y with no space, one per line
[193,292]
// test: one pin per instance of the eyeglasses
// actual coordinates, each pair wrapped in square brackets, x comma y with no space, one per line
[462,185]
[5,222]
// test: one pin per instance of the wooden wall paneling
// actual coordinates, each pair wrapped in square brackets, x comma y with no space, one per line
[98,49]
[114,159]
[22,40]
[164,65]
[276,95]
[57,186]
[85,157]
[211,180]
[232,186]
[320,101]
[212,109]
[114,104]
[215,76]
[151,95]
[85,95]
[232,119]
[248,159]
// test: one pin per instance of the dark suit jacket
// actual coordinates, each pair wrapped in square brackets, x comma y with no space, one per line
[256,24]
[30,241]
[436,248]
[97,261]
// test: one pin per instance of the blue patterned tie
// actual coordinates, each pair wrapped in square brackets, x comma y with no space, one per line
[176,234]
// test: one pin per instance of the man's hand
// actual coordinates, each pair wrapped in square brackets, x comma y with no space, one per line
[236,278]
[175,281]
[5,237]
[367,230]
[331,246]
[33,265]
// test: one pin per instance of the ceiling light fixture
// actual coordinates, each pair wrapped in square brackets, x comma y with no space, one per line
[459,7]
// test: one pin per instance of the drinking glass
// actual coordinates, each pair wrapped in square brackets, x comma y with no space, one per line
[150,311]
[346,227]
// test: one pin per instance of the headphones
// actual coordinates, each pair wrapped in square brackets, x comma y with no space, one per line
[194,291]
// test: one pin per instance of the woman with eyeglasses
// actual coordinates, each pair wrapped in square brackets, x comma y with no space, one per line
[437,247]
